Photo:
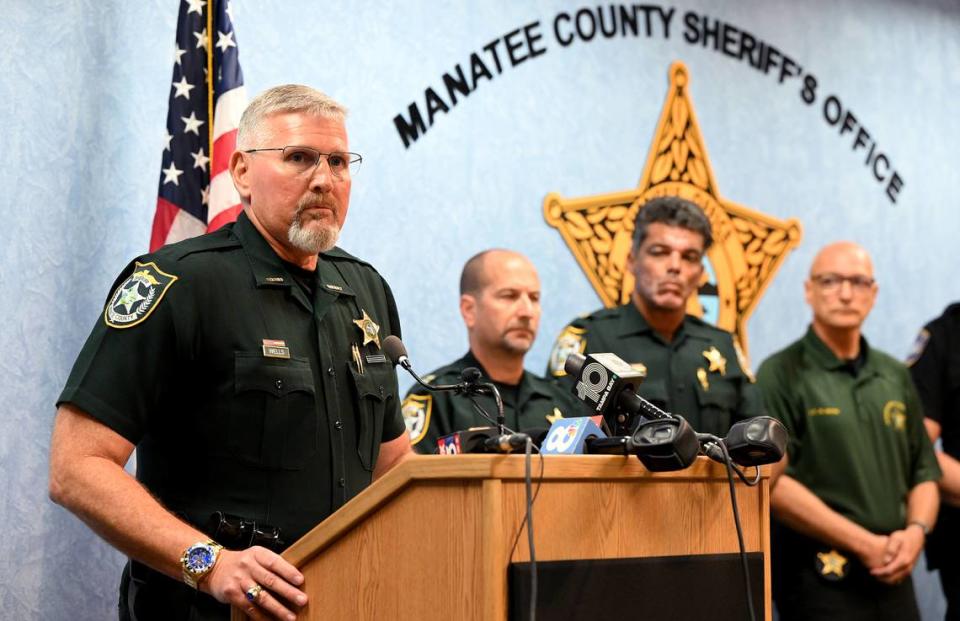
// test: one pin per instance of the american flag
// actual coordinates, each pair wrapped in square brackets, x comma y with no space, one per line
[196,193]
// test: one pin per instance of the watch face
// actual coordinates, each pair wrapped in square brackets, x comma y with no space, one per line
[199,558]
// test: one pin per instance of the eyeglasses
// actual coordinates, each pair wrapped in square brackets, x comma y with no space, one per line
[304,160]
[832,282]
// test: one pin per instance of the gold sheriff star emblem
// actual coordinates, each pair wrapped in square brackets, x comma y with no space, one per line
[748,247]
[716,360]
[371,331]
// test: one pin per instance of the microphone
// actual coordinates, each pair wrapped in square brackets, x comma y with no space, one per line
[607,385]
[471,375]
[469,441]
[662,445]
[753,442]
[568,436]
[505,443]
[470,378]
[487,440]
[394,349]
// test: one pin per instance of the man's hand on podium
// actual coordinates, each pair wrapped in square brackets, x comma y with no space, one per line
[238,574]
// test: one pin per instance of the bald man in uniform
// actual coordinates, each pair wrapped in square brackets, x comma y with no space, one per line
[856,494]
[500,305]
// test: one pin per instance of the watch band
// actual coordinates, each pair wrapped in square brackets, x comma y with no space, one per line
[192,575]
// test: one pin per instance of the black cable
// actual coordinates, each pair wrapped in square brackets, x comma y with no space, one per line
[536,493]
[736,519]
[479,410]
[743,477]
[529,518]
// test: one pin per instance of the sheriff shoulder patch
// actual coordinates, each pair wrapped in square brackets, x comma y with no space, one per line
[918,346]
[137,296]
[571,340]
[416,416]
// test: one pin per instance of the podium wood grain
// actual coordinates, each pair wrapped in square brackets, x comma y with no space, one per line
[432,538]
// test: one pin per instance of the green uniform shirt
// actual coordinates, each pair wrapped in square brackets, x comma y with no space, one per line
[533,403]
[697,375]
[856,441]
[238,388]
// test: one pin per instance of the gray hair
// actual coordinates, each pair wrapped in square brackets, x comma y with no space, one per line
[283,99]
[672,211]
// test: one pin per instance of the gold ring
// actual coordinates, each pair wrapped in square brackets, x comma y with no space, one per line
[253,592]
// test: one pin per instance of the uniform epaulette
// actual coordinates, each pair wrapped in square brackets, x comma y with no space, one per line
[338,253]
[601,314]
[221,238]
[953,309]
[700,323]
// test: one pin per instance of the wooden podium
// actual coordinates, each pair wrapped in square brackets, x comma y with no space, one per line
[434,535]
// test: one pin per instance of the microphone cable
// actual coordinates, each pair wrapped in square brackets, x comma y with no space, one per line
[730,468]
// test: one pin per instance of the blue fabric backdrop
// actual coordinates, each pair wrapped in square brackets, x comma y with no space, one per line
[83,95]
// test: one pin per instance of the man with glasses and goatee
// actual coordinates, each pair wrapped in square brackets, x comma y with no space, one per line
[245,367]
[856,494]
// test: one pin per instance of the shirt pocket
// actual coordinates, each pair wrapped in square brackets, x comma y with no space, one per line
[718,405]
[371,388]
[273,423]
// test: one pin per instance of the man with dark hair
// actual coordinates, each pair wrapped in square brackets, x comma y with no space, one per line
[500,305]
[935,367]
[856,493]
[693,368]
[245,368]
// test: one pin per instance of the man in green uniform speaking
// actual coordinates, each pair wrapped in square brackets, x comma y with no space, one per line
[693,368]
[500,305]
[856,493]
[245,368]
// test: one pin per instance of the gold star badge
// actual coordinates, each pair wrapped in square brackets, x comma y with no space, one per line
[832,562]
[557,415]
[749,246]
[371,331]
[702,376]
[716,360]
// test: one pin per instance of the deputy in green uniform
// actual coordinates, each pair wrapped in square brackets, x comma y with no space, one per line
[856,494]
[500,305]
[245,368]
[692,368]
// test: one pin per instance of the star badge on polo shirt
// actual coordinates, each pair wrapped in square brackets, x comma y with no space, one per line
[832,565]
[371,331]
[716,360]
[555,416]
[137,296]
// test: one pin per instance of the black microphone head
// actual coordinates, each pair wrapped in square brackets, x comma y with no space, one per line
[574,363]
[599,380]
[665,444]
[394,349]
[471,375]
[757,441]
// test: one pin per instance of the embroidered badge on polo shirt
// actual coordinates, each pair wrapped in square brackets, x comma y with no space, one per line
[137,296]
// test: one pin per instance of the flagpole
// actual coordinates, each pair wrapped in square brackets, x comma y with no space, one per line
[211,76]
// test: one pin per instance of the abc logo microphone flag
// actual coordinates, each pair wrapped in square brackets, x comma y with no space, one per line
[568,435]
